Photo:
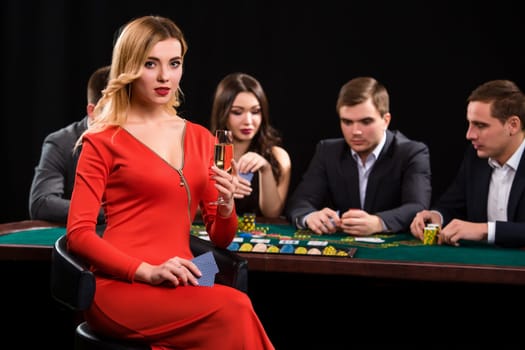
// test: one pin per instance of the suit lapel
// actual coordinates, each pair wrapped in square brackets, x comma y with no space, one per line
[480,180]
[349,171]
[378,171]
[518,186]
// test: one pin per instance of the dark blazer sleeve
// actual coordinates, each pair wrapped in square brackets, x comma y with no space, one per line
[54,176]
[53,179]
[312,192]
[399,184]
[467,196]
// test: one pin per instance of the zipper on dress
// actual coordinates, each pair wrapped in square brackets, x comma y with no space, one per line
[188,193]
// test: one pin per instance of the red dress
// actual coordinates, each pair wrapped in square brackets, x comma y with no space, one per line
[149,208]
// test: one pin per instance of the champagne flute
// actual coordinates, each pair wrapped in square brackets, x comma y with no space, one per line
[223,154]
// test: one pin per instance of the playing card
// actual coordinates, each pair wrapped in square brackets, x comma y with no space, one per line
[369,239]
[247,176]
[208,267]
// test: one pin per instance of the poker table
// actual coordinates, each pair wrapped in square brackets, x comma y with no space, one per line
[397,256]
[393,291]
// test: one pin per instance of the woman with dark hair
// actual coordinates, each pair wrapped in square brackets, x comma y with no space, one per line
[264,166]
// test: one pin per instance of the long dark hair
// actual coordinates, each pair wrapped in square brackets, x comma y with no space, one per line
[267,136]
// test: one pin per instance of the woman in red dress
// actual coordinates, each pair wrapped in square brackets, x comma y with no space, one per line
[150,169]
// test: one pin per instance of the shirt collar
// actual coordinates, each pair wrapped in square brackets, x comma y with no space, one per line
[513,161]
[376,150]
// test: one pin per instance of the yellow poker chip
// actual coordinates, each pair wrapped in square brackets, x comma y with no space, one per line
[342,253]
[246,247]
[301,250]
[329,250]
[273,249]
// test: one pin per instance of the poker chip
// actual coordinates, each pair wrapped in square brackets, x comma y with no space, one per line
[430,234]
[272,249]
[301,250]
[287,249]
[314,251]
[234,246]
[246,247]
[329,250]
[259,247]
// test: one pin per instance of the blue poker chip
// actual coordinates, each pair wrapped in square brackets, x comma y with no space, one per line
[287,249]
[244,234]
[234,246]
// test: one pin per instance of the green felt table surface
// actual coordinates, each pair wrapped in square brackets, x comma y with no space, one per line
[38,236]
[397,247]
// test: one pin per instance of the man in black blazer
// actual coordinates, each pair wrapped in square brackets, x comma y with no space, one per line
[55,174]
[371,180]
[486,201]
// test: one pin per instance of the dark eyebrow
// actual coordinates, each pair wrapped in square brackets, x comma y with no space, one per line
[357,120]
[153,58]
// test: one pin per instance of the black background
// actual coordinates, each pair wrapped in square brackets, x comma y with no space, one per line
[429,55]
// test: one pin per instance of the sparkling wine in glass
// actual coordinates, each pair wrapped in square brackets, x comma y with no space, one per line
[223,154]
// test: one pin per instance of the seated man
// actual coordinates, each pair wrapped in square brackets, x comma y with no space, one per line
[55,174]
[486,201]
[371,180]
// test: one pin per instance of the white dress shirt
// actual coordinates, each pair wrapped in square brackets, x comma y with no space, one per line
[499,190]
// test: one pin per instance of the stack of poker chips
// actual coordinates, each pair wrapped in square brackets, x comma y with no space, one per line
[430,234]
[247,223]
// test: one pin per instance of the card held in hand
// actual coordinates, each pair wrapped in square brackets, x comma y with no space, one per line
[247,176]
[208,267]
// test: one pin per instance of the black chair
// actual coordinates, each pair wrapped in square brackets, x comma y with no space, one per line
[73,285]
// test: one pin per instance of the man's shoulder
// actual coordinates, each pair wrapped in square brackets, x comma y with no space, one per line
[332,142]
[331,147]
[71,131]
[403,140]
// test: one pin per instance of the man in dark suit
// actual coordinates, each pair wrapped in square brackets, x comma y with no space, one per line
[486,201]
[55,174]
[371,180]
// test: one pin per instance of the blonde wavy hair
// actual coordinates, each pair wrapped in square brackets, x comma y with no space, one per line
[131,49]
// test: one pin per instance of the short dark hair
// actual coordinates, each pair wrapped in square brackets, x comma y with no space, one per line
[96,83]
[505,98]
[360,89]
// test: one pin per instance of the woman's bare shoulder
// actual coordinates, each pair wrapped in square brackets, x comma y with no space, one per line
[282,156]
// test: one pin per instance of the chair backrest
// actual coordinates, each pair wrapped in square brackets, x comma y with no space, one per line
[72,283]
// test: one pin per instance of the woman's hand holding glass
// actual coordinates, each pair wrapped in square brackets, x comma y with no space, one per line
[226,184]
[223,155]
